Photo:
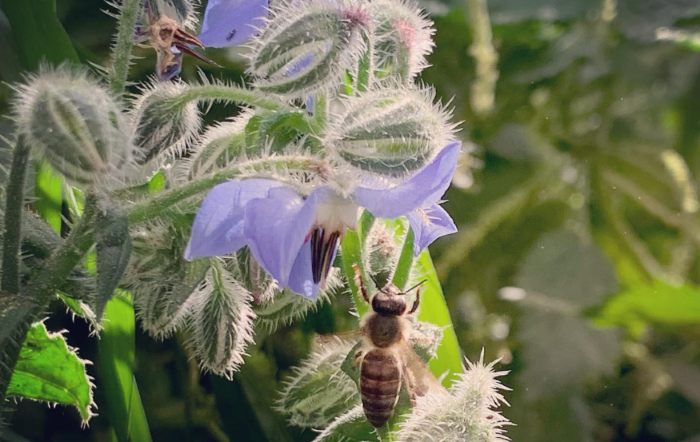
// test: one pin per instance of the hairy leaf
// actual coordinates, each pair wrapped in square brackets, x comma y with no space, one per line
[48,370]
[113,245]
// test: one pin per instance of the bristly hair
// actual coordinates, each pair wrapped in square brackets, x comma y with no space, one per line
[402,22]
[221,323]
[467,413]
[318,389]
[329,53]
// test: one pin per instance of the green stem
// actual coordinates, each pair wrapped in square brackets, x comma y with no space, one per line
[225,93]
[20,310]
[160,204]
[13,220]
[121,55]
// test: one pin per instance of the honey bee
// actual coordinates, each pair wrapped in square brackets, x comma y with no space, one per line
[386,358]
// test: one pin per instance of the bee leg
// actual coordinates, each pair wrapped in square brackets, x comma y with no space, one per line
[360,283]
[415,303]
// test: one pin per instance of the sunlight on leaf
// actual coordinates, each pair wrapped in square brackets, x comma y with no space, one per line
[49,371]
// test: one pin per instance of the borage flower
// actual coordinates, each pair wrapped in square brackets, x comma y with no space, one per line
[295,239]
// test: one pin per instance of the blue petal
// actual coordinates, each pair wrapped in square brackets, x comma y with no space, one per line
[301,278]
[424,233]
[425,188]
[218,227]
[232,22]
[276,228]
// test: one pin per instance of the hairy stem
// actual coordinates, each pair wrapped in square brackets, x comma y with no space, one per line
[158,205]
[13,220]
[20,310]
[121,54]
[225,93]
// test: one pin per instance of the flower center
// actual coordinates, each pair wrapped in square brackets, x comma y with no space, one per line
[333,218]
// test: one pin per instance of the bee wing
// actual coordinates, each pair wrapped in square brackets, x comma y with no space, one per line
[418,378]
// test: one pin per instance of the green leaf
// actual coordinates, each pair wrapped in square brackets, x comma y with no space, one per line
[660,303]
[561,277]
[48,193]
[78,308]
[38,33]
[433,309]
[113,245]
[116,367]
[49,371]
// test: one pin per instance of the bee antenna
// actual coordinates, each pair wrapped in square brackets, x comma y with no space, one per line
[374,279]
[416,286]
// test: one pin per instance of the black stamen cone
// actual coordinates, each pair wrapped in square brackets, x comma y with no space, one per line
[323,249]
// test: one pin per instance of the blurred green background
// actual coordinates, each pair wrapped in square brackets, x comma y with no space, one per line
[577,262]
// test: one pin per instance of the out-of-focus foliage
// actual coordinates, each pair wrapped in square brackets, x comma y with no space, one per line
[577,259]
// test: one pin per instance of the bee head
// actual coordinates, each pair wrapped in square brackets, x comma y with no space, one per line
[389,301]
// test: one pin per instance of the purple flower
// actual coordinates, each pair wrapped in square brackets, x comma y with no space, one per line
[296,239]
[232,22]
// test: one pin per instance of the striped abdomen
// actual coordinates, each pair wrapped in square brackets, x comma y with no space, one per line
[380,380]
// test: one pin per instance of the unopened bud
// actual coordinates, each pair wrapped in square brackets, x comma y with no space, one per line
[164,124]
[74,124]
[308,47]
[390,132]
[403,39]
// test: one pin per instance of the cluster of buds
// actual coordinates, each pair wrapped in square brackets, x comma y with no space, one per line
[336,127]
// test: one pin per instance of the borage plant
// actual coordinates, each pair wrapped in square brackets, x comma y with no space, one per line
[336,166]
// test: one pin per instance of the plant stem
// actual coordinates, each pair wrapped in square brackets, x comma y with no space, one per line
[13,220]
[486,58]
[20,310]
[121,55]
[226,93]
[158,205]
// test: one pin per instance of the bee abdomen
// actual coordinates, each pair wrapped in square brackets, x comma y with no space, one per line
[380,380]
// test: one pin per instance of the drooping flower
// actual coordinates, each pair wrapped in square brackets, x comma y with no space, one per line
[295,239]
[169,38]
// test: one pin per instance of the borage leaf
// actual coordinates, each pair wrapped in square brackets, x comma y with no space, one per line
[49,371]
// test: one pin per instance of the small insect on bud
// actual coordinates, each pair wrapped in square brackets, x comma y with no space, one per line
[308,46]
[73,122]
[403,39]
[163,123]
[390,132]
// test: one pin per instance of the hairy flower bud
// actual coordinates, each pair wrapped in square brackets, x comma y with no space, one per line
[467,413]
[307,46]
[218,147]
[403,39]
[161,281]
[163,123]
[74,124]
[390,132]
[221,322]
[318,390]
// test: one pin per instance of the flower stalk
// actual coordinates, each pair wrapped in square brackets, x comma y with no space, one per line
[121,54]
[156,206]
[13,219]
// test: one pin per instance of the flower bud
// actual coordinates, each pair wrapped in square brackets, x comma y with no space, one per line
[219,146]
[308,46]
[221,321]
[74,124]
[318,391]
[467,413]
[390,132]
[163,123]
[403,39]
